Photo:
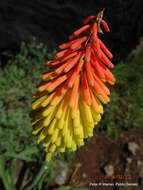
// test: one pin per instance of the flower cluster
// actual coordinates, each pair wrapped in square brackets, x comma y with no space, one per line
[68,103]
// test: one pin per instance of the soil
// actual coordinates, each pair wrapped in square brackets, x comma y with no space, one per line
[109,164]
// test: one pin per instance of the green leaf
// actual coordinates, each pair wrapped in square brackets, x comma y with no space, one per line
[29,151]
[5,176]
[45,167]
[17,156]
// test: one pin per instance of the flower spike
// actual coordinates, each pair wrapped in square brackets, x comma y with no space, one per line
[69,101]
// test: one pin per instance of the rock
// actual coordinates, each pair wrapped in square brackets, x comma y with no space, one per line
[140,165]
[52,21]
[62,177]
[132,146]
[141,172]
[84,175]
[109,169]
[78,165]
[129,160]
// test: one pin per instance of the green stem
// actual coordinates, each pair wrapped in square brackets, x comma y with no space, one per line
[4,176]
[44,167]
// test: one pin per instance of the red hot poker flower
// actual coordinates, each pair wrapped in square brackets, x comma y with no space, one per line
[68,104]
